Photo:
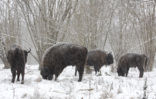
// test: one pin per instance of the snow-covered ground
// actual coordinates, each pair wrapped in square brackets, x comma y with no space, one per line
[107,86]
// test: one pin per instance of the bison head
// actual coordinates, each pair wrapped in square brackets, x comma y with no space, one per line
[46,73]
[120,72]
[26,54]
[109,58]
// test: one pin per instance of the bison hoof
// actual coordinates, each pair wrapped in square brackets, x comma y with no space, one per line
[22,82]
[99,74]
[79,80]
[12,81]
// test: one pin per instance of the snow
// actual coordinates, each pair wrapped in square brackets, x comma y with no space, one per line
[107,86]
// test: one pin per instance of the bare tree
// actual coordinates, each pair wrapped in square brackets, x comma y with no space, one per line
[121,36]
[91,23]
[45,20]
[135,29]
[10,28]
[145,27]
[148,35]
[124,25]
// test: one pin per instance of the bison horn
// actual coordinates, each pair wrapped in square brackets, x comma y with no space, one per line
[29,50]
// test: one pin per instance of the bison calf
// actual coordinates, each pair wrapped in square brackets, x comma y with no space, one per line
[57,57]
[17,57]
[131,60]
[98,58]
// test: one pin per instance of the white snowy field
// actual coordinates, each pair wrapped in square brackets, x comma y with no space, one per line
[107,86]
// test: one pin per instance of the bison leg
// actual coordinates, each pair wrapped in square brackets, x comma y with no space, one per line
[56,76]
[22,82]
[75,71]
[141,70]
[13,71]
[80,71]
[127,71]
[96,70]
[58,73]
[99,71]
[18,75]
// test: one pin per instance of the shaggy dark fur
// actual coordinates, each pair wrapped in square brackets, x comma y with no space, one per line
[17,57]
[131,60]
[59,56]
[98,58]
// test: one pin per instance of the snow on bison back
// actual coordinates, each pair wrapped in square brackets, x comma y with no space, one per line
[59,56]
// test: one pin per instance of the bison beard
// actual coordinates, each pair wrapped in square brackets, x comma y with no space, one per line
[17,57]
[57,57]
[131,60]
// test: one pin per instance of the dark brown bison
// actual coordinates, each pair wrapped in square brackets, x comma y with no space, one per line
[131,60]
[57,57]
[17,57]
[98,58]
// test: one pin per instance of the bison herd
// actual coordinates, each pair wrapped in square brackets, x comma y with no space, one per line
[61,55]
